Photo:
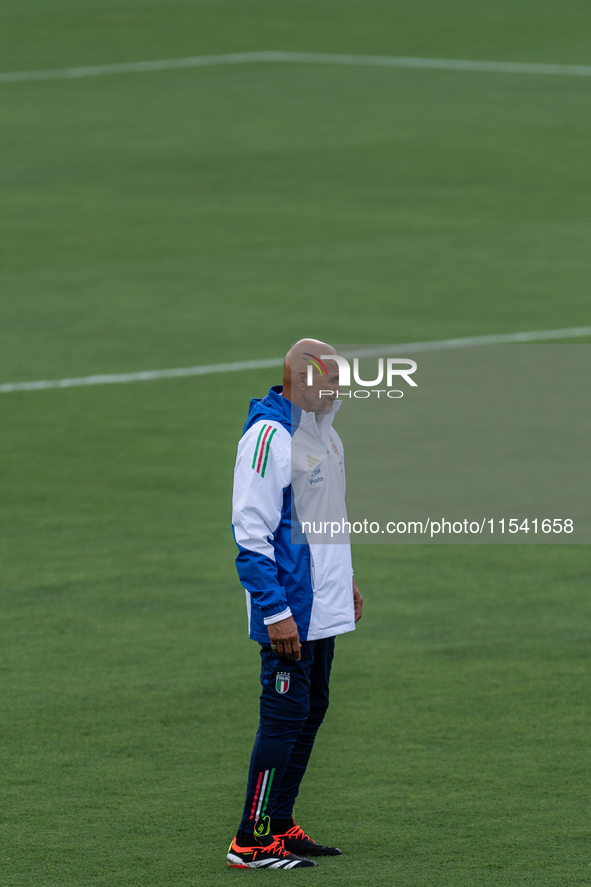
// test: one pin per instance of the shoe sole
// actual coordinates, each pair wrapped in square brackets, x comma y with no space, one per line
[237,863]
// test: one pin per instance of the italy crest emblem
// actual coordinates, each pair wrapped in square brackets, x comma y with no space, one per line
[282,681]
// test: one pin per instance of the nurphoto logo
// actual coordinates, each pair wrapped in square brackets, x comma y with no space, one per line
[396,368]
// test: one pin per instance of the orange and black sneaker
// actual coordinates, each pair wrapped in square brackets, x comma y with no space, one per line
[294,839]
[264,851]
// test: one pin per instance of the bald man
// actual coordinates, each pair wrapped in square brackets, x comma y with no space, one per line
[299,594]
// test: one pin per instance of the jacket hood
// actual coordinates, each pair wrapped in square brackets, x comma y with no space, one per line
[275,408]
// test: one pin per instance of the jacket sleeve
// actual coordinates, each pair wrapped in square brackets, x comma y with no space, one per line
[261,476]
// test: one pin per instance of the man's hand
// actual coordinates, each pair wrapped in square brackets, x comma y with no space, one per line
[357,602]
[284,637]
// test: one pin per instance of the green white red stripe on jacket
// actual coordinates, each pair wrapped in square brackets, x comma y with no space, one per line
[261,452]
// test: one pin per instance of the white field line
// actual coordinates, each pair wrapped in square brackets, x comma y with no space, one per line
[380,350]
[321,58]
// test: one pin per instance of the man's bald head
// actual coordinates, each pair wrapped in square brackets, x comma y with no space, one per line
[306,353]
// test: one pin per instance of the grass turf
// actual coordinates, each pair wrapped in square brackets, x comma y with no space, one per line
[185,217]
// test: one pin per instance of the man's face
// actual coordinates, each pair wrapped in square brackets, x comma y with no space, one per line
[309,397]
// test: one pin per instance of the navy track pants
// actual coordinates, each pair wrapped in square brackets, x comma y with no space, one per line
[293,703]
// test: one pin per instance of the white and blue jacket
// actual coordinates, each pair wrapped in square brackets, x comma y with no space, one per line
[311,582]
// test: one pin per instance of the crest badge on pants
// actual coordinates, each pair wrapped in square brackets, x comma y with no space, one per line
[282,681]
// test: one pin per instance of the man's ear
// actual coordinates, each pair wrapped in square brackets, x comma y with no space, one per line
[301,379]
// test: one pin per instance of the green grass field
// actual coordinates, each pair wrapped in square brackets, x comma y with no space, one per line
[178,218]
